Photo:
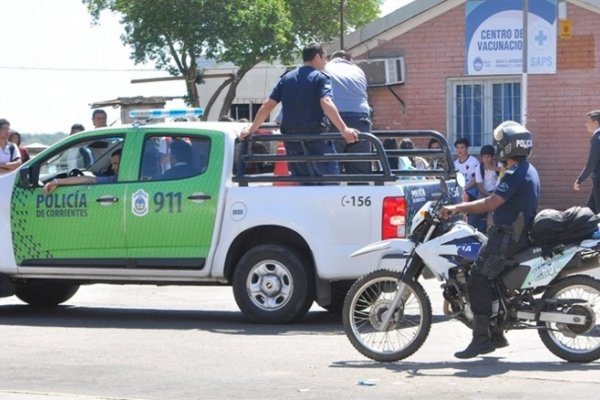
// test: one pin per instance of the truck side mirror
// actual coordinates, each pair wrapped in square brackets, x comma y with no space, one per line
[29,177]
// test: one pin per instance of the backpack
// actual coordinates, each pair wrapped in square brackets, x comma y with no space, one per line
[11,149]
[554,227]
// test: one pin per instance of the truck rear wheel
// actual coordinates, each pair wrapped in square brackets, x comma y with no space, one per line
[273,284]
[45,293]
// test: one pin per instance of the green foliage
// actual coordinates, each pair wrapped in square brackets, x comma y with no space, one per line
[174,34]
[319,20]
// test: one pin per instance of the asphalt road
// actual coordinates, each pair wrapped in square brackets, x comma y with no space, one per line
[156,343]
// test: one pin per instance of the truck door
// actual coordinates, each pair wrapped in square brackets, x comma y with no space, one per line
[171,208]
[77,225]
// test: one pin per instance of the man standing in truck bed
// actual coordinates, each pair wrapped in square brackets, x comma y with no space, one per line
[306,97]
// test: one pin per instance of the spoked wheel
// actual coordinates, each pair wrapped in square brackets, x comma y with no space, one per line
[575,343]
[366,307]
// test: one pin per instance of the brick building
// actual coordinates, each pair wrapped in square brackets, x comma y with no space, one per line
[428,37]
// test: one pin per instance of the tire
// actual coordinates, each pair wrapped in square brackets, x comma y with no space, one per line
[273,284]
[575,343]
[366,303]
[45,293]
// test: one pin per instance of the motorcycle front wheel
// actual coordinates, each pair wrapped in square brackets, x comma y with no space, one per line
[365,307]
[575,343]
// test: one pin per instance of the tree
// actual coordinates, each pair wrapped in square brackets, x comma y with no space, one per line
[174,34]
[319,20]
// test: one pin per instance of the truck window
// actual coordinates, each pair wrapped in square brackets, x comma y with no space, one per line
[89,155]
[174,157]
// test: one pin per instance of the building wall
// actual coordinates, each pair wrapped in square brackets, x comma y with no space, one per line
[434,52]
[255,88]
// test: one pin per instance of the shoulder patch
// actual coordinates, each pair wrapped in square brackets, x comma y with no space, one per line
[502,187]
[512,169]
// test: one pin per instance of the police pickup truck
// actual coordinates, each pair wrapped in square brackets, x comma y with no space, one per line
[226,216]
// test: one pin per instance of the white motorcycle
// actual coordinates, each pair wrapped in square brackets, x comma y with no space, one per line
[387,313]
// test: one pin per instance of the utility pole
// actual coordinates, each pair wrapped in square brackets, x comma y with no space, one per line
[342,24]
[524,82]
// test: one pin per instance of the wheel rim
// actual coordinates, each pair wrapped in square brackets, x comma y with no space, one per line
[368,307]
[270,285]
[578,339]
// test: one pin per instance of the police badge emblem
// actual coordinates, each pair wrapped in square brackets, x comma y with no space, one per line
[139,203]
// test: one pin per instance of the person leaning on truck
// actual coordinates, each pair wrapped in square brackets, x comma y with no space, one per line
[306,97]
[349,86]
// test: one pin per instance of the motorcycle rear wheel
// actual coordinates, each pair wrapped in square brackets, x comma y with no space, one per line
[365,305]
[575,343]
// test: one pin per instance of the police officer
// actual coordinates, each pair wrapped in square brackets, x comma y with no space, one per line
[514,205]
[306,97]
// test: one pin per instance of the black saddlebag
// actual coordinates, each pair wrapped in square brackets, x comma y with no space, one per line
[572,225]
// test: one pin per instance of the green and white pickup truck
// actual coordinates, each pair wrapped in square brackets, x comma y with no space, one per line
[224,219]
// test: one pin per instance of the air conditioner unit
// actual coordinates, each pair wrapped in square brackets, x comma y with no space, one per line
[383,71]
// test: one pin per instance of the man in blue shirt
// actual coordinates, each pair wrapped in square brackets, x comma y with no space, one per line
[349,86]
[306,98]
[514,204]
[115,159]
[593,164]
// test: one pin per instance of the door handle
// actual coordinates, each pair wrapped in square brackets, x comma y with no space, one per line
[107,200]
[199,197]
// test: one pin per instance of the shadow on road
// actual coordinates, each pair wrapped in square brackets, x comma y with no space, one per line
[227,322]
[477,368]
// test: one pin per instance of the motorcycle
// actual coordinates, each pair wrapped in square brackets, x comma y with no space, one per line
[387,314]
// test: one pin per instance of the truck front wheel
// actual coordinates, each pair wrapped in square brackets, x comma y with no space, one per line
[273,284]
[45,293]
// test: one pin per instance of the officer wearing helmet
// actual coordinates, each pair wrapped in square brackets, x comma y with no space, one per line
[514,205]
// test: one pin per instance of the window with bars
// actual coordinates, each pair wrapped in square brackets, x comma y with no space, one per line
[242,110]
[479,105]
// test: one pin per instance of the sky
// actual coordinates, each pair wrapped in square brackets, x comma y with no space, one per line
[55,63]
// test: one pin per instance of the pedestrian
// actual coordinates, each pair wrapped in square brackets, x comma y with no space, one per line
[593,164]
[349,88]
[76,128]
[489,172]
[15,137]
[437,162]
[306,98]
[514,205]
[468,166]
[415,161]
[82,157]
[10,157]
[99,118]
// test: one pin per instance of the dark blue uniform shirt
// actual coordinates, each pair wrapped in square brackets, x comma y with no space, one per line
[520,188]
[300,92]
[593,165]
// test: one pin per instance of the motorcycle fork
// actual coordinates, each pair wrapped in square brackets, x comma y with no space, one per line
[410,274]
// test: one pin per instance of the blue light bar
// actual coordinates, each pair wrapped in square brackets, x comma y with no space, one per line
[160,113]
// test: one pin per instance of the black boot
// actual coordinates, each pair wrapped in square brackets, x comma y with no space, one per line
[499,340]
[498,337]
[481,343]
